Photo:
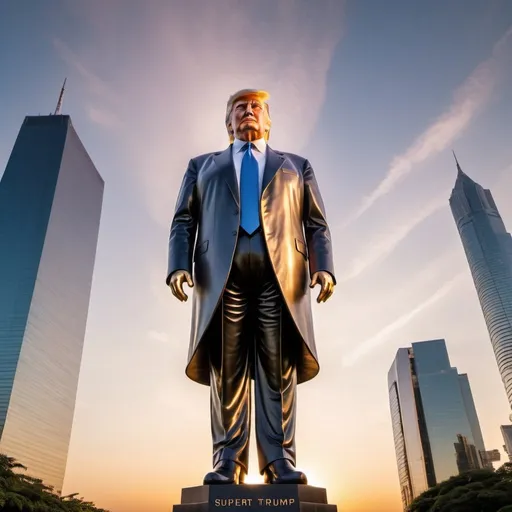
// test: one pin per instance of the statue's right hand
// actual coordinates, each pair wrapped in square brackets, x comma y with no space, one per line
[176,283]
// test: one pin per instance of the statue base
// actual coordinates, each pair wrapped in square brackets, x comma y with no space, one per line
[252,498]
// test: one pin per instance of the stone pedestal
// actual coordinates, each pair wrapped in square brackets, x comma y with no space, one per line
[252,498]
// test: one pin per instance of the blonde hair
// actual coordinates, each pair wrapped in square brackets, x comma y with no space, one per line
[245,93]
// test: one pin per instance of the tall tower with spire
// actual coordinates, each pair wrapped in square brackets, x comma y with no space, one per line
[488,248]
[51,198]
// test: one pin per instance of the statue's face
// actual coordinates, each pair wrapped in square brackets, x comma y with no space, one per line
[249,119]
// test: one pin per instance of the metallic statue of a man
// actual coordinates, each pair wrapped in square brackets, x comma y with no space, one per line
[251,221]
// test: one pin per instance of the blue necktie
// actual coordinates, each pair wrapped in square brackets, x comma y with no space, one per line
[249,192]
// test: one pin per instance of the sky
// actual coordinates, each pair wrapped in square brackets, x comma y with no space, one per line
[375,95]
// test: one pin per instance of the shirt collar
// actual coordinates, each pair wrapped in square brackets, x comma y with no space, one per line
[259,144]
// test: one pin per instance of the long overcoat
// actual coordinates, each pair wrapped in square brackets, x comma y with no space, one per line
[204,233]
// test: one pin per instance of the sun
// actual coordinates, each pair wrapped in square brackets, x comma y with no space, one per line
[254,478]
[313,479]
[257,479]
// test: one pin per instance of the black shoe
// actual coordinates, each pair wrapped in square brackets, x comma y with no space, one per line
[225,472]
[281,471]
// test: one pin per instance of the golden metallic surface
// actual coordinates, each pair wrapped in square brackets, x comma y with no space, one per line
[258,94]
[251,315]
[296,234]
[252,327]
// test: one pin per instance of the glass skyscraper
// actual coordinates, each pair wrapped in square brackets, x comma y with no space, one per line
[469,405]
[435,426]
[50,206]
[488,248]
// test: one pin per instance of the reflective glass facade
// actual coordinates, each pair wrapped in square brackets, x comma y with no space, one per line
[488,248]
[432,414]
[474,423]
[443,405]
[409,450]
[50,206]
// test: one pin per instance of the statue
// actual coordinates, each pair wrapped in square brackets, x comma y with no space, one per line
[251,221]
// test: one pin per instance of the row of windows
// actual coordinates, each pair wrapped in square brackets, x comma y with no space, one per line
[53,196]
[487,245]
[400,450]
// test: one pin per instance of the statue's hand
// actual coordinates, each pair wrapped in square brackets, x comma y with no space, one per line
[176,283]
[326,282]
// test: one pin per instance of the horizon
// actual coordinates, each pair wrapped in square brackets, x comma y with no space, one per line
[377,102]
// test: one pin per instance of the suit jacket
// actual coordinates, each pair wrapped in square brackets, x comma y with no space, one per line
[204,233]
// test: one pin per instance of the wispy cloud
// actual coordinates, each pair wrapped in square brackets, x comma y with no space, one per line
[103,117]
[175,86]
[103,98]
[468,100]
[93,81]
[383,335]
[159,336]
[504,176]
[385,243]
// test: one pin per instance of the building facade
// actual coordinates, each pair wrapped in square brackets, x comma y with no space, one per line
[486,457]
[506,432]
[435,427]
[50,206]
[493,455]
[488,248]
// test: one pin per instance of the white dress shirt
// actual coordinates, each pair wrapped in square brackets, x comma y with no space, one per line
[259,151]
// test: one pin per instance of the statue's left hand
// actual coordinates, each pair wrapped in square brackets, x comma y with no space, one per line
[326,282]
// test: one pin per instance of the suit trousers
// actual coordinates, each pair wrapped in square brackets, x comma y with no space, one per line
[252,336]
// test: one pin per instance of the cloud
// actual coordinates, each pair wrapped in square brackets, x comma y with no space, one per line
[95,84]
[468,100]
[180,62]
[384,244]
[103,94]
[504,177]
[383,335]
[103,117]
[159,336]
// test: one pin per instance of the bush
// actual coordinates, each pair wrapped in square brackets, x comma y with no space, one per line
[22,493]
[481,490]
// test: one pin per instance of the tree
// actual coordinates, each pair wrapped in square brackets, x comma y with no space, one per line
[481,490]
[23,493]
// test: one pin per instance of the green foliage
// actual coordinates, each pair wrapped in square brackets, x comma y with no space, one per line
[481,490]
[22,493]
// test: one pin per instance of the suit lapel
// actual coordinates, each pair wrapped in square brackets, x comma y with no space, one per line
[272,165]
[224,163]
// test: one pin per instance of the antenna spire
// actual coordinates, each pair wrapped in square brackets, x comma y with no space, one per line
[457,162]
[59,103]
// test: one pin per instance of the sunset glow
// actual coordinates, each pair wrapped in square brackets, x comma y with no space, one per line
[375,99]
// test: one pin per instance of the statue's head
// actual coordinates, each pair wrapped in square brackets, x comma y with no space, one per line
[248,115]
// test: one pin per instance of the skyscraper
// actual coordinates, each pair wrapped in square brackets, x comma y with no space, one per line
[435,426]
[469,405]
[50,205]
[506,432]
[488,248]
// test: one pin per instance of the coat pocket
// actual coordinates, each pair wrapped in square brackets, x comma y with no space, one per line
[200,249]
[301,247]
